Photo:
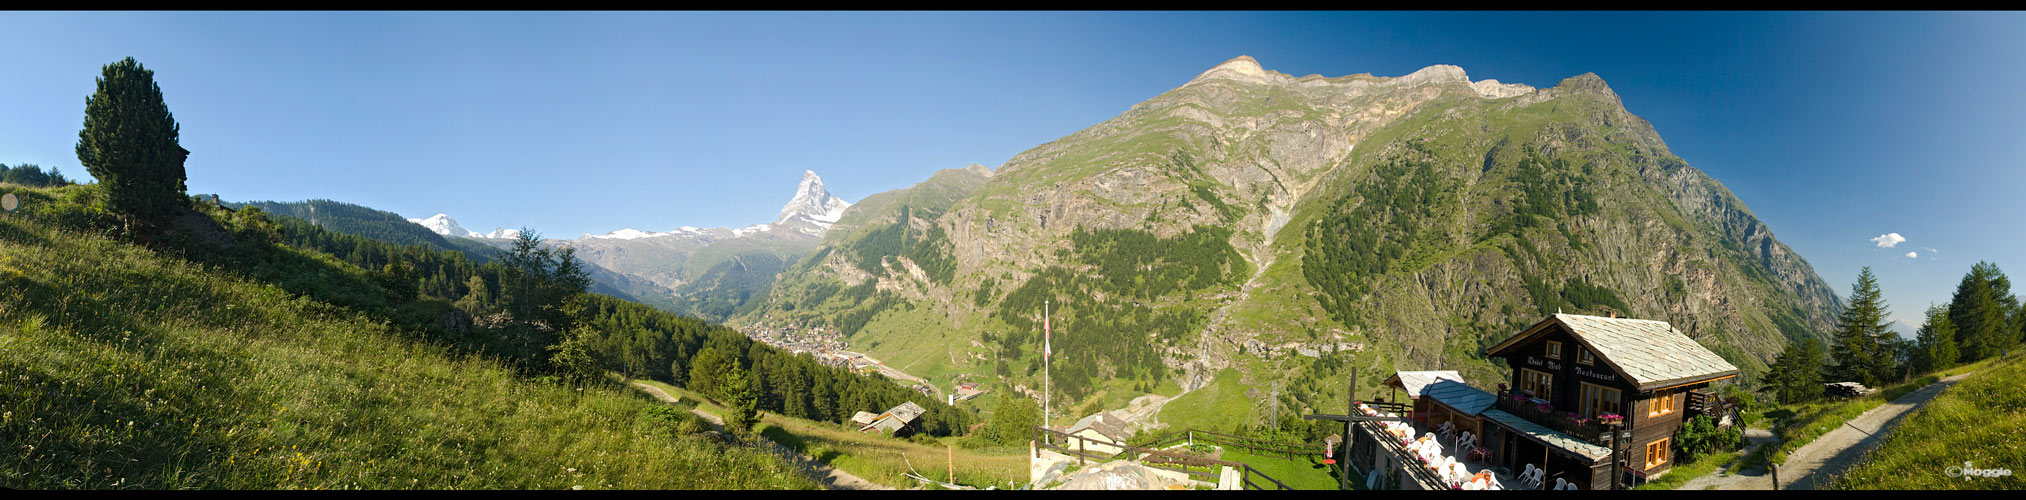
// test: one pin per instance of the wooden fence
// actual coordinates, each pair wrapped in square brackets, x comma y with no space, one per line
[1079,447]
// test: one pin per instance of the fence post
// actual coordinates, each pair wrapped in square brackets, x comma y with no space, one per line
[1776,477]
[1079,451]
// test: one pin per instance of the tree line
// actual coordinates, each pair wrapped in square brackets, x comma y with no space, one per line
[29,174]
[1982,319]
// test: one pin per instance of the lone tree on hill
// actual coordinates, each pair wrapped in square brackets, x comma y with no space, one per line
[1862,352]
[129,142]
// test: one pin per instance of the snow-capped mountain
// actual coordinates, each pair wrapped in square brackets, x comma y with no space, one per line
[812,206]
[810,212]
[442,224]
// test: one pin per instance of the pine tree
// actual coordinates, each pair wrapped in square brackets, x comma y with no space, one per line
[1796,375]
[1979,308]
[1937,342]
[1862,352]
[129,142]
[741,402]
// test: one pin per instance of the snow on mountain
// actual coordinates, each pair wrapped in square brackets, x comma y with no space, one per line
[814,204]
[442,224]
[501,234]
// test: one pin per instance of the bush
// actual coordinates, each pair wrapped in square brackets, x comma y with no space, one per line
[1701,436]
[675,419]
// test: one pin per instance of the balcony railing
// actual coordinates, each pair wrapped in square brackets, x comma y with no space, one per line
[1555,418]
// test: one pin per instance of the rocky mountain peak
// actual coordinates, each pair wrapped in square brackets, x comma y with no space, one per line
[1440,73]
[812,205]
[979,169]
[1586,83]
[442,224]
[1241,68]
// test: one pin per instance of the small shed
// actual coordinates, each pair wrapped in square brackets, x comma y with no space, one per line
[1099,427]
[899,421]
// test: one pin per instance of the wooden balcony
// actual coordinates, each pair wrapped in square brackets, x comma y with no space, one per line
[1557,419]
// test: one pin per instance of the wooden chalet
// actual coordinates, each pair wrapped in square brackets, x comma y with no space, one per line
[1567,370]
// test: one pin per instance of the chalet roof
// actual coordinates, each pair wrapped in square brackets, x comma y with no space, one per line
[1549,437]
[864,417]
[1459,396]
[906,412]
[1652,354]
[1104,422]
[1414,382]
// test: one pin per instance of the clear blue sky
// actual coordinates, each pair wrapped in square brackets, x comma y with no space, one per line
[1834,128]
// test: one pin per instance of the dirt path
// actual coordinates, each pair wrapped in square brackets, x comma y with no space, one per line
[823,474]
[1811,466]
[1754,438]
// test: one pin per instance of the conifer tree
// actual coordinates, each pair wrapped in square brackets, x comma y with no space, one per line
[129,142]
[741,403]
[1796,375]
[1979,308]
[1862,352]
[1937,342]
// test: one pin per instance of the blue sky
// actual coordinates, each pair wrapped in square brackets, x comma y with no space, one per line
[1834,128]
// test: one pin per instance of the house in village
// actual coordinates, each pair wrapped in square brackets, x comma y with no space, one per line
[1098,428]
[898,422]
[968,390]
[1568,370]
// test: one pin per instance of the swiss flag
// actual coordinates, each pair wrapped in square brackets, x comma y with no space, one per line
[1046,340]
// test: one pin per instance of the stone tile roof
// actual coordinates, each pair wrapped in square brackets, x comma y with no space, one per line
[907,411]
[1550,437]
[1414,382]
[1652,353]
[1460,396]
[1105,422]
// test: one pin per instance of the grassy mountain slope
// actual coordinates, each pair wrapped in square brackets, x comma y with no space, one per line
[131,370]
[1294,228]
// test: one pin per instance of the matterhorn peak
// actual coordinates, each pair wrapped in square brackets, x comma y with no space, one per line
[812,200]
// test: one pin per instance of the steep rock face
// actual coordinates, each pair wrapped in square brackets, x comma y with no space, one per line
[1419,217]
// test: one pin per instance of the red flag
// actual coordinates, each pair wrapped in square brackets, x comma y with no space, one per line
[1046,340]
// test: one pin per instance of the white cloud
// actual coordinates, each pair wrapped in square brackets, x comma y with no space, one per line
[1913,255]
[1887,240]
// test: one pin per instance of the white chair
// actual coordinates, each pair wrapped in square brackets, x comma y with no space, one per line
[1492,482]
[1537,478]
[1563,484]
[1526,477]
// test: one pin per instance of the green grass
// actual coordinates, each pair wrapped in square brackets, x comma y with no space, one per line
[1303,472]
[1683,472]
[126,370]
[1808,421]
[1221,406]
[1975,421]
[878,458]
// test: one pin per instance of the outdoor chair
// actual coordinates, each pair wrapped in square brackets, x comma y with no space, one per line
[1563,484]
[1532,478]
[1491,481]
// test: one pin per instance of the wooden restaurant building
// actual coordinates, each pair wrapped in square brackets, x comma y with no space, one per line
[1568,370]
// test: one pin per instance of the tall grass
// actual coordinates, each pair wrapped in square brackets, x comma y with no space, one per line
[1978,421]
[878,458]
[124,369]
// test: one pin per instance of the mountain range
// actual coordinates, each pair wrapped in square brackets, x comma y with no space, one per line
[1248,219]
[707,272]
